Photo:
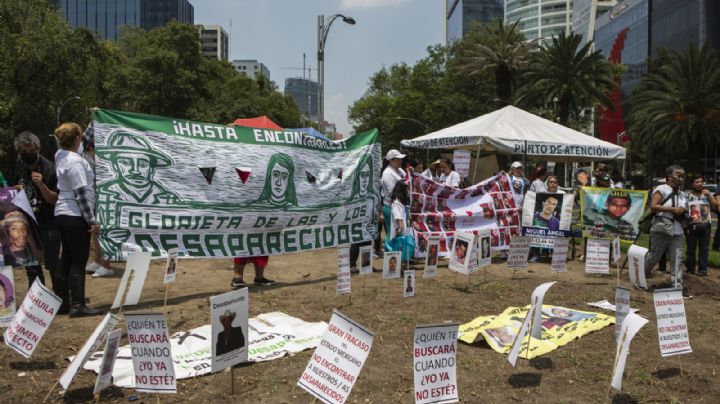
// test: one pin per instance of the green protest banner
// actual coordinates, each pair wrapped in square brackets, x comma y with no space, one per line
[224,191]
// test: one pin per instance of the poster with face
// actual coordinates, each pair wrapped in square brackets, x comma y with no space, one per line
[7,296]
[229,320]
[483,253]
[409,284]
[391,264]
[366,266]
[432,257]
[546,216]
[608,213]
[19,232]
[171,266]
[462,252]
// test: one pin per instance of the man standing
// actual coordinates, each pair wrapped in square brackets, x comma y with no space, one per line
[36,175]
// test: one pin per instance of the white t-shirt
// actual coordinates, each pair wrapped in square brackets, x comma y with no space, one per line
[72,172]
[398,212]
[677,200]
[390,177]
[451,180]
[427,174]
[538,186]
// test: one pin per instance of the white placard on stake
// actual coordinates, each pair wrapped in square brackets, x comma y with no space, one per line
[597,257]
[409,284]
[229,320]
[343,274]
[431,258]
[559,255]
[636,266]
[391,264]
[518,254]
[97,338]
[342,351]
[632,324]
[7,298]
[34,317]
[151,352]
[171,266]
[366,263]
[616,252]
[136,270]
[622,307]
[534,315]
[671,322]
[104,377]
[484,252]
[461,160]
[434,352]
[462,256]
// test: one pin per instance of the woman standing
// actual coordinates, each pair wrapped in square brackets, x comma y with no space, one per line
[697,233]
[75,219]
[448,175]
[390,176]
[539,175]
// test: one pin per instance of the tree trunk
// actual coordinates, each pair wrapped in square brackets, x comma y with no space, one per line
[503,85]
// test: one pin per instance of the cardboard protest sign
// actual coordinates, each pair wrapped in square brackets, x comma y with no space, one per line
[171,266]
[32,320]
[409,284]
[20,240]
[632,324]
[560,326]
[7,296]
[608,212]
[518,254]
[431,259]
[263,198]
[463,251]
[343,274]
[671,322]
[151,353]
[366,264]
[439,210]
[616,253]
[104,377]
[97,338]
[636,266]
[622,307]
[597,256]
[461,161]
[483,253]
[434,365]
[559,255]
[391,264]
[135,273]
[229,320]
[546,216]
[336,363]
[527,330]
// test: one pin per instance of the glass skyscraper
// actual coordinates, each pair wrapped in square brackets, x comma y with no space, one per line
[539,19]
[460,13]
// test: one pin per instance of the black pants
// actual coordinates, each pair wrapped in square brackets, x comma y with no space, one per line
[51,252]
[70,276]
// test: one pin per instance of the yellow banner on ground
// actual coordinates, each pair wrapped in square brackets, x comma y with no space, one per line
[560,325]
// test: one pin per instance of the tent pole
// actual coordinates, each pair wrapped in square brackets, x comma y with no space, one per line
[427,158]
[477,162]
[525,159]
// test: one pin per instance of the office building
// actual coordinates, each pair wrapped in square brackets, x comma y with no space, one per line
[106,16]
[214,41]
[677,24]
[584,15]
[251,68]
[460,13]
[305,93]
[539,19]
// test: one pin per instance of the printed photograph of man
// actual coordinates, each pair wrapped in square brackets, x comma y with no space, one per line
[391,262]
[609,222]
[498,202]
[485,247]
[442,205]
[494,237]
[508,201]
[547,211]
[487,211]
[409,284]
[416,203]
[432,255]
[365,259]
[581,178]
[461,247]
[446,193]
[230,338]
[429,204]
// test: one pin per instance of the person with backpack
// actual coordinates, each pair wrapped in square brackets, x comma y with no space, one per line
[697,233]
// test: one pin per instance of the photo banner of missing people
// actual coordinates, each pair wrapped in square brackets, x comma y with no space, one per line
[607,213]
[222,191]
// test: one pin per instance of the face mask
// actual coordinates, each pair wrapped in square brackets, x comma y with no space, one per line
[29,158]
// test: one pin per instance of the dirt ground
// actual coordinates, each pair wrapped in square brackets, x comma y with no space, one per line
[579,372]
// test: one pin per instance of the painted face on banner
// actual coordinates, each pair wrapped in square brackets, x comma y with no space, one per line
[135,169]
[280,178]
[364,178]
[618,207]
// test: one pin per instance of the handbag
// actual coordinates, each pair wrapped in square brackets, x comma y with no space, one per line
[663,224]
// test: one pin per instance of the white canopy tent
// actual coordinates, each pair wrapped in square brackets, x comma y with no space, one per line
[511,130]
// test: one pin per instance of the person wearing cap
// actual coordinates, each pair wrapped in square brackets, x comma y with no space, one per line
[75,219]
[448,175]
[230,338]
[519,182]
[392,174]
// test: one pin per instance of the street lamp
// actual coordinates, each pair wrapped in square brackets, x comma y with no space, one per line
[424,125]
[60,109]
[324,25]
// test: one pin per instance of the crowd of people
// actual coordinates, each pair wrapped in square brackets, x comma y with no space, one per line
[61,195]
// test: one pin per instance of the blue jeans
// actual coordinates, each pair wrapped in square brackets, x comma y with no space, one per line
[697,240]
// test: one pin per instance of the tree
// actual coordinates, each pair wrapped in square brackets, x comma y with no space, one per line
[676,106]
[498,48]
[572,76]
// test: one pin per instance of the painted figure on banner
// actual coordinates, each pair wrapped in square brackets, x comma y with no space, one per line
[279,188]
[364,187]
[609,221]
[547,210]
[230,338]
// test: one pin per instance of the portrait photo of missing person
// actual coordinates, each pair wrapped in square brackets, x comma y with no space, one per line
[567,314]
[409,284]
[432,255]
[502,336]
[547,211]
[391,264]
[365,259]
[485,247]
[460,252]
[230,338]
[171,266]
[18,244]
[7,296]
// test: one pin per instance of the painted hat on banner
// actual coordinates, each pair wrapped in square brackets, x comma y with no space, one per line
[228,314]
[124,142]
[516,164]
[394,154]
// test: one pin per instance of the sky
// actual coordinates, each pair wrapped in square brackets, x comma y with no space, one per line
[278,32]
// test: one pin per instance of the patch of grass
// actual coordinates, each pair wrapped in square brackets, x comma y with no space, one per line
[640,376]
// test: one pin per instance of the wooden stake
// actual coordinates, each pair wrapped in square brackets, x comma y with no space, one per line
[97,398]
[167,286]
[157,397]
[232,380]
[363,278]
[50,392]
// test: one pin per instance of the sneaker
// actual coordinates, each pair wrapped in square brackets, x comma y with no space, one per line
[237,283]
[264,282]
[686,294]
[103,272]
[92,267]
[533,259]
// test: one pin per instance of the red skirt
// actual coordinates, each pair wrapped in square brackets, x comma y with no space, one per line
[259,261]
